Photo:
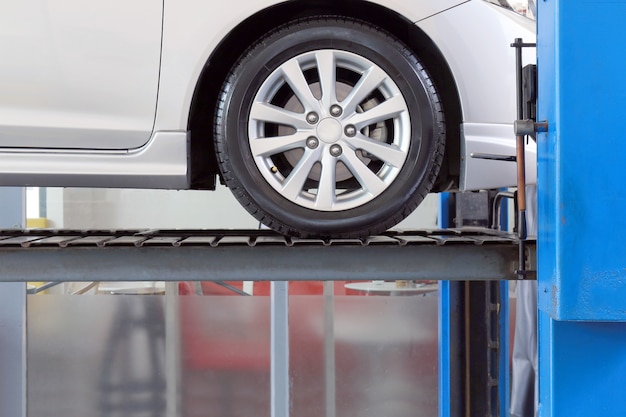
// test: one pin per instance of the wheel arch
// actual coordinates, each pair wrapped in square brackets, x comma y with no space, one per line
[203,164]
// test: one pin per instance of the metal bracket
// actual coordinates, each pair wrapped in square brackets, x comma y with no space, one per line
[529,127]
[494,157]
[522,128]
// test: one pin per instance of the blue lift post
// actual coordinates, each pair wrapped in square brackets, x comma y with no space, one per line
[444,312]
[582,199]
[449,314]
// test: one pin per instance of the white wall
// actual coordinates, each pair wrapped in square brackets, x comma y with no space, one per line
[145,209]
[84,208]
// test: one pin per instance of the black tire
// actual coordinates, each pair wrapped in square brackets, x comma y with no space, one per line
[405,159]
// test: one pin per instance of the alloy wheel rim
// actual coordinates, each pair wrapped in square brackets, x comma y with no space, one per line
[329,130]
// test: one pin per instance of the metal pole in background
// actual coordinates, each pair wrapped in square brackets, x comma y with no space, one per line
[279,299]
[329,350]
[172,350]
[12,317]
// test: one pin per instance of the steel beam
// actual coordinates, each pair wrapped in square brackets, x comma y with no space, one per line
[276,263]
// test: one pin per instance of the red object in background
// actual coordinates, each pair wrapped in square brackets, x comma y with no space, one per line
[214,350]
[262,288]
[226,351]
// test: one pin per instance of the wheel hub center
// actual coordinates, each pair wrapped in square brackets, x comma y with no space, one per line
[329,130]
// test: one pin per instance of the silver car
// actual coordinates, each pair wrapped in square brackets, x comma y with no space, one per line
[324,118]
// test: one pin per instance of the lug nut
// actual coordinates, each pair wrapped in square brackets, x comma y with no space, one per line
[312,142]
[336,110]
[350,130]
[312,117]
[336,150]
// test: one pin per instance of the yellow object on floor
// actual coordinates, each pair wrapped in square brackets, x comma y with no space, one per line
[37,223]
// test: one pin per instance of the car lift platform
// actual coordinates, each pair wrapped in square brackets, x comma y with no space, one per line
[258,255]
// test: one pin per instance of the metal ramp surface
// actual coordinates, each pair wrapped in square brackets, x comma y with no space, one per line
[257,255]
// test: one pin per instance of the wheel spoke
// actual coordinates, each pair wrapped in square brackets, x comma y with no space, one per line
[326,191]
[269,113]
[390,154]
[295,181]
[328,76]
[368,180]
[386,110]
[368,82]
[295,78]
[277,144]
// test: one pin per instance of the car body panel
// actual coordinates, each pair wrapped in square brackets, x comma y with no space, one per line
[93,85]
[192,30]
[79,74]
[482,61]
[490,139]
[480,56]
[160,164]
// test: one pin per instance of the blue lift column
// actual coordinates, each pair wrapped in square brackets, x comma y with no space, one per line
[582,208]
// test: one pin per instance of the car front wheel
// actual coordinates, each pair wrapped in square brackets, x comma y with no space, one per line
[329,127]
